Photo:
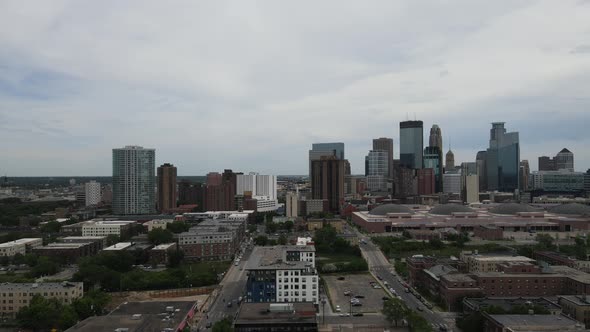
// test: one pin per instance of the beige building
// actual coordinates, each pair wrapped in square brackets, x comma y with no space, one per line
[21,246]
[13,297]
[105,227]
[158,223]
[483,263]
[576,307]
[292,204]
[315,224]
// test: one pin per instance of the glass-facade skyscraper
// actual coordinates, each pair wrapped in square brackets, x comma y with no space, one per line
[134,180]
[503,159]
[411,143]
[433,159]
[319,150]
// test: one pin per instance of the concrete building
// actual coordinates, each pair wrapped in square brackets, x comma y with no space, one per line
[93,193]
[291,205]
[426,181]
[489,263]
[385,144]
[482,172]
[218,237]
[160,254]
[435,138]
[411,143]
[327,181]
[270,317]
[503,159]
[479,304]
[452,182]
[21,246]
[282,274]
[213,179]
[576,307]
[527,323]
[97,242]
[587,182]
[525,174]
[191,193]
[69,253]
[558,181]
[167,197]
[311,206]
[449,161]
[157,223]
[14,297]
[119,246]
[258,185]
[106,227]
[134,180]
[547,164]
[377,170]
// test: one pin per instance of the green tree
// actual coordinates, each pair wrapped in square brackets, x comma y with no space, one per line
[271,227]
[44,267]
[406,234]
[175,257]
[288,225]
[112,239]
[260,240]
[44,314]
[580,249]
[177,227]
[545,241]
[252,229]
[51,227]
[158,236]
[18,259]
[93,303]
[224,325]
[282,239]
[394,310]
[436,243]
[418,323]
[324,238]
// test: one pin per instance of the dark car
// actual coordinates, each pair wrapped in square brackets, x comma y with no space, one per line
[340,278]
[209,324]
[357,304]
[385,298]
[379,277]
[359,296]
[229,304]
[358,314]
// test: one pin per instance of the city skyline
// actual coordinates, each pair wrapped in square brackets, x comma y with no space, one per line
[66,100]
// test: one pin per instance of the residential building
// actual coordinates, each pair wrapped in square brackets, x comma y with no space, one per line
[270,317]
[282,274]
[315,224]
[160,254]
[97,242]
[213,179]
[503,159]
[258,185]
[311,206]
[291,205]
[376,163]
[106,227]
[157,223]
[167,198]
[489,263]
[411,144]
[479,304]
[134,180]
[93,193]
[20,246]
[15,296]
[327,181]
[218,237]
[191,194]
[69,253]
[385,144]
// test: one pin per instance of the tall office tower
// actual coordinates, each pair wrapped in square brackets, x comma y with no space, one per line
[411,143]
[469,182]
[166,187]
[450,161]
[524,173]
[385,144]
[319,150]
[258,185]
[426,181]
[433,160]
[134,180]
[480,162]
[327,181]
[191,193]
[291,205]
[93,193]
[564,160]
[503,159]
[376,170]
[547,164]
[213,179]
[435,137]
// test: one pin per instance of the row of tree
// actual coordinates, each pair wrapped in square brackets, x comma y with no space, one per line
[395,311]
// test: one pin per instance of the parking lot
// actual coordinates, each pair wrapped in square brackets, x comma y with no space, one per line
[357,284]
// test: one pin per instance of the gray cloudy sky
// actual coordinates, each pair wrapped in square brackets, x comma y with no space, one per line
[251,85]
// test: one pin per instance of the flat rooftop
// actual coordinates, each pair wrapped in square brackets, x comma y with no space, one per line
[503,258]
[271,258]
[119,246]
[507,303]
[536,322]
[153,317]
[260,314]
[19,241]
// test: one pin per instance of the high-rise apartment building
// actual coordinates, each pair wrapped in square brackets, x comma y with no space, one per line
[433,160]
[385,144]
[319,150]
[213,179]
[258,185]
[327,181]
[411,143]
[503,159]
[191,193]
[167,197]
[93,193]
[221,197]
[376,163]
[134,180]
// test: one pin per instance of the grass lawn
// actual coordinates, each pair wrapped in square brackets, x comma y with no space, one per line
[13,277]
[336,258]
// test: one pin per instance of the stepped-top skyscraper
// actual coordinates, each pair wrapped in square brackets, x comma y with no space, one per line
[134,180]
[435,137]
[564,160]
[450,160]
[411,144]
[503,159]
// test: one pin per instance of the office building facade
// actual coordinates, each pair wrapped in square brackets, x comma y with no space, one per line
[134,180]
[327,181]
[167,197]
[503,159]
[449,161]
[385,144]
[93,193]
[433,159]
[319,150]
[411,143]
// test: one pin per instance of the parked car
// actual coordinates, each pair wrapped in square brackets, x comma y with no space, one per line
[341,278]
[338,308]
[429,306]
[359,296]
[419,308]
[385,298]
[358,314]
[344,314]
[357,304]
[379,277]
[347,293]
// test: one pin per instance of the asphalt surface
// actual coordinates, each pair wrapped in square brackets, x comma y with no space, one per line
[380,266]
[232,286]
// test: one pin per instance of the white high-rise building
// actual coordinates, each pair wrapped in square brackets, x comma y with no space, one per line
[93,193]
[134,180]
[259,185]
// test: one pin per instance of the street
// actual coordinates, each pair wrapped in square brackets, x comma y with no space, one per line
[380,266]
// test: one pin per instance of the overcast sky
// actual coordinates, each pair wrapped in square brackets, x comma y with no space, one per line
[251,85]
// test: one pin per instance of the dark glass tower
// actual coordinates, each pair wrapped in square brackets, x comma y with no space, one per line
[411,142]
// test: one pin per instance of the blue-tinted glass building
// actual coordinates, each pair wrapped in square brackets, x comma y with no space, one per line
[503,159]
[411,143]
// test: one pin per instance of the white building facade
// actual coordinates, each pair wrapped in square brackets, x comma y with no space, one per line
[93,193]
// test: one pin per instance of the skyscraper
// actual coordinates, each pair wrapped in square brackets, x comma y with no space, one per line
[482,172]
[433,159]
[258,185]
[411,143]
[93,193]
[166,187]
[134,180]
[327,181]
[436,137]
[524,173]
[503,159]
[319,150]
[385,144]
[450,161]
[564,160]
[376,170]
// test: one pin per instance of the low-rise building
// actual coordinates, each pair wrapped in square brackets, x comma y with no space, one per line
[510,303]
[576,307]
[157,223]
[20,246]
[160,254]
[106,227]
[528,323]
[119,246]
[282,274]
[99,242]
[270,317]
[14,297]
[315,224]
[489,263]
[488,232]
[213,239]
[67,252]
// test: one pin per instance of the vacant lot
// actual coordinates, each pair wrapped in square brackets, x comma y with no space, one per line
[357,284]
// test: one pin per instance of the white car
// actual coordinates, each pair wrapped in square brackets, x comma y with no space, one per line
[338,308]
[344,314]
